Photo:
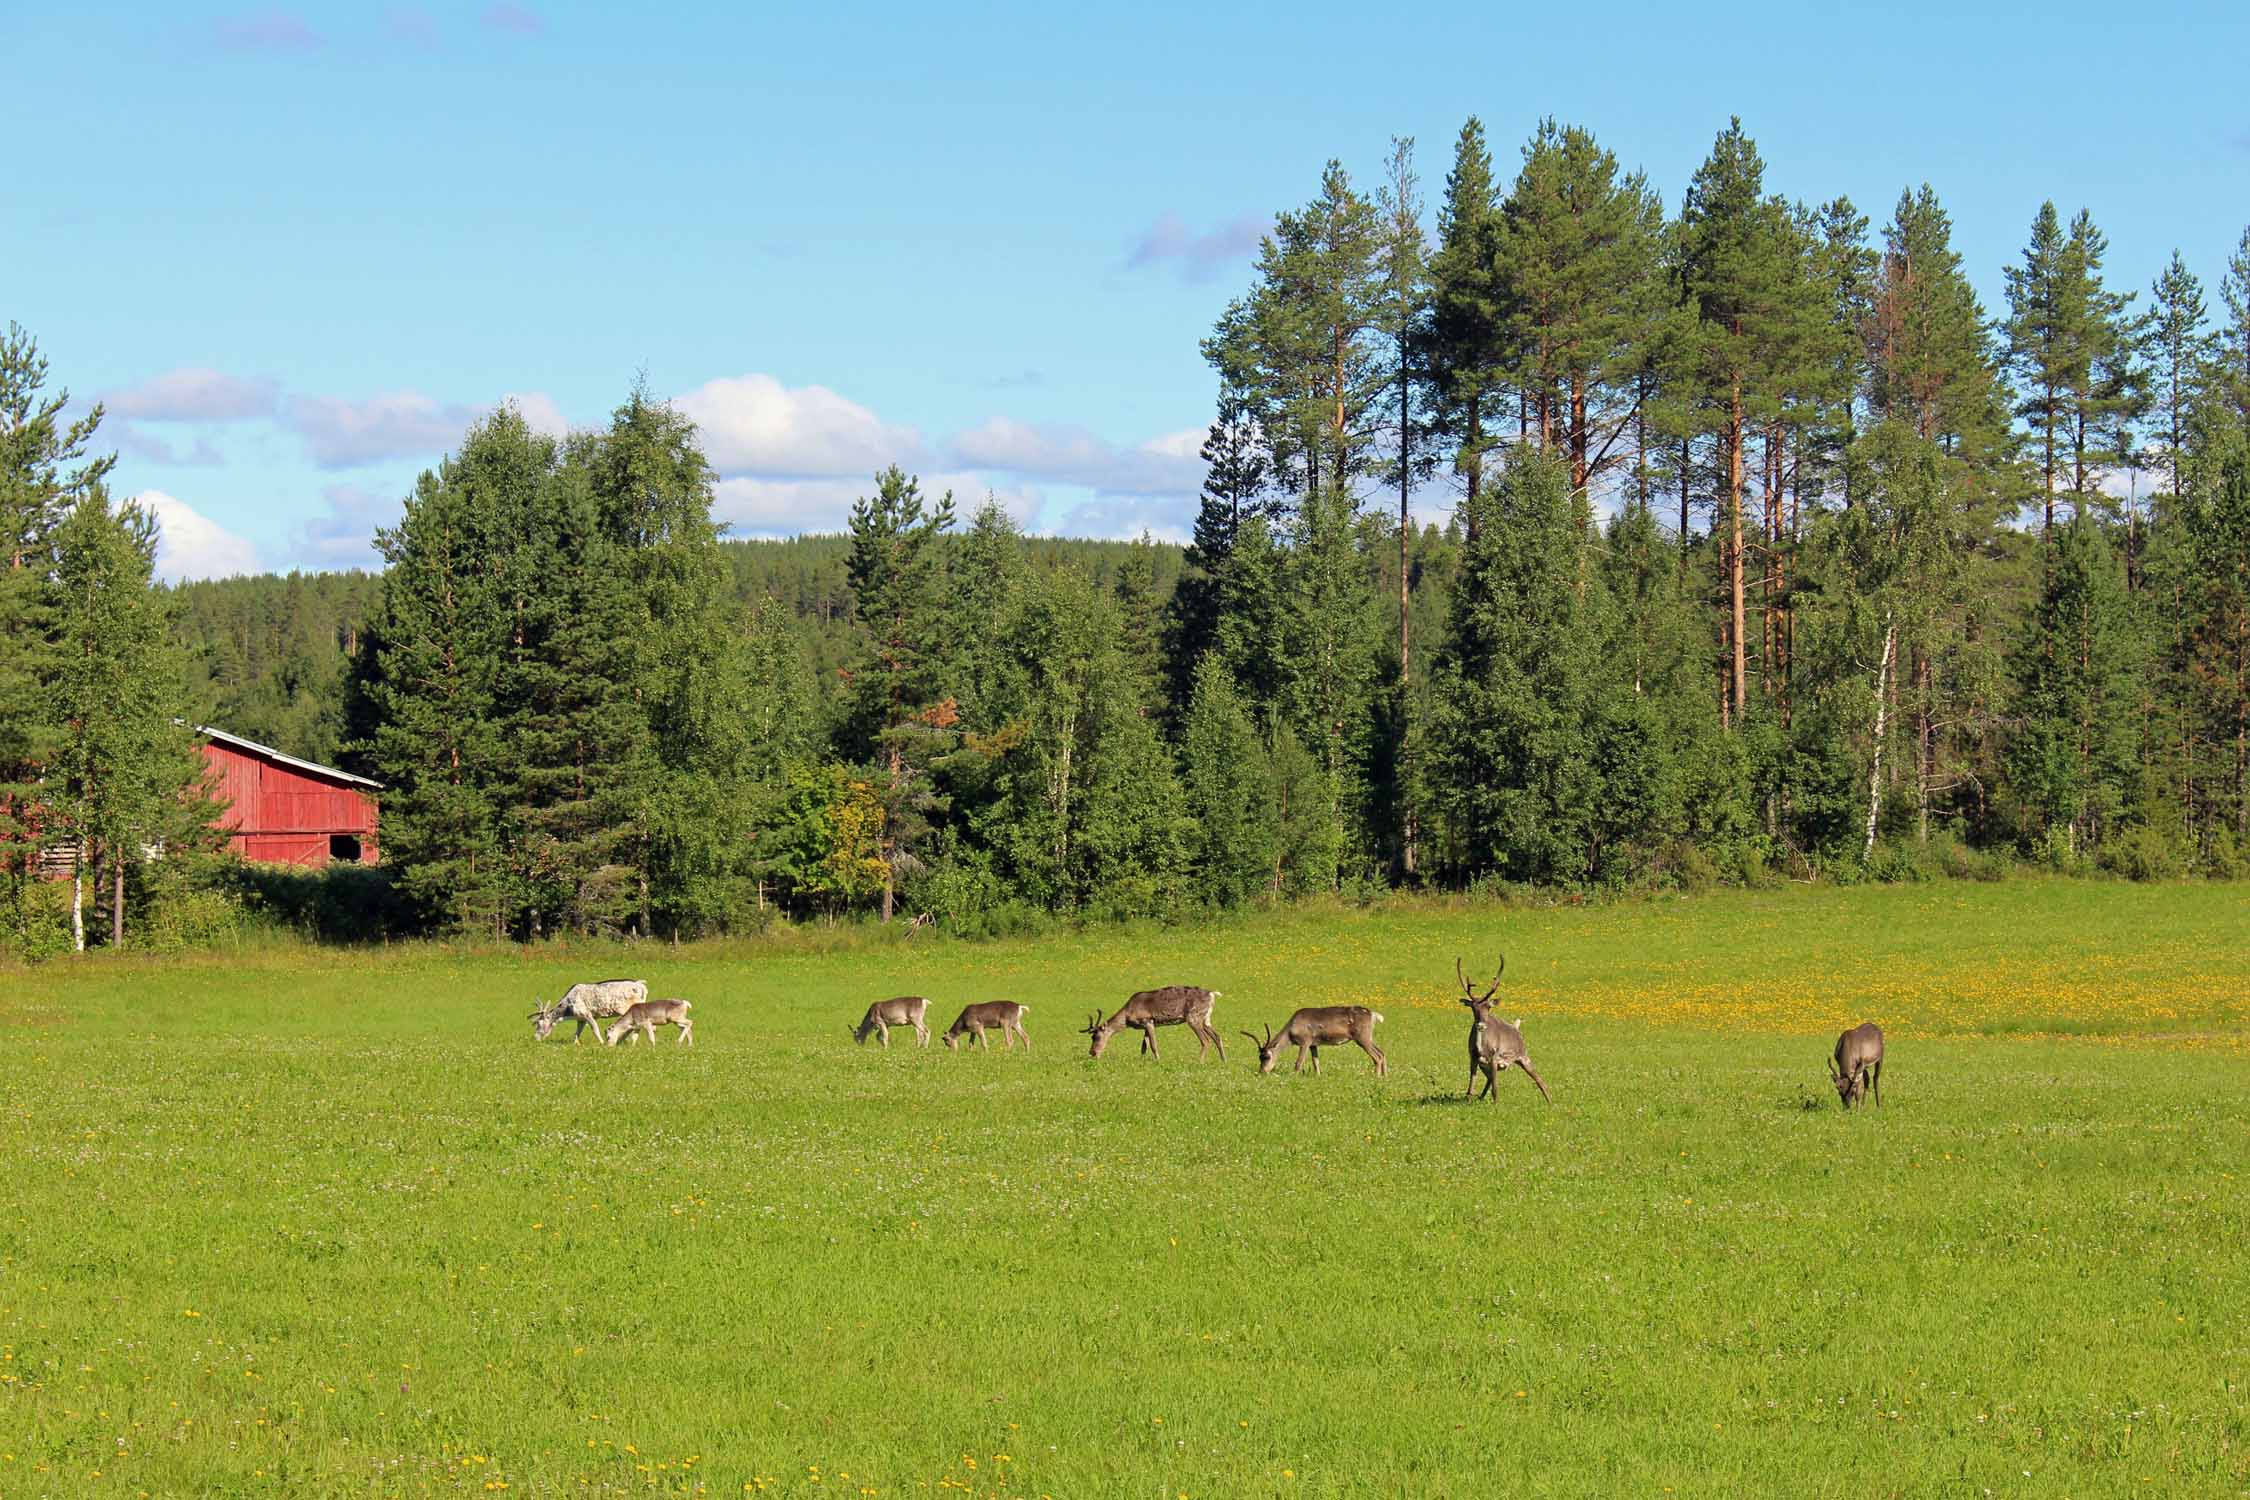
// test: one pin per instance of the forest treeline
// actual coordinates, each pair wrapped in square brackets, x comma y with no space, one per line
[1769,548]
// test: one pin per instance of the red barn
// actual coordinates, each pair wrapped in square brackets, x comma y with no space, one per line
[289,811]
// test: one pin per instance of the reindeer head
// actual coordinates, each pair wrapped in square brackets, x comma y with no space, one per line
[543,1021]
[1269,1050]
[1100,1031]
[1479,1004]
[1849,1086]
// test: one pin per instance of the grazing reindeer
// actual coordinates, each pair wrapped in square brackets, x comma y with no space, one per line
[1318,1026]
[1174,1005]
[1494,1045]
[650,1014]
[1005,1014]
[1858,1064]
[589,1005]
[906,1010]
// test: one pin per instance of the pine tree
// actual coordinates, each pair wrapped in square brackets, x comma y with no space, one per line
[2181,345]
[2231,355]
[1929,351]
[1466,329]
[2215,532]
[1578,250]
[896,571]
[1744,275]
[45,469]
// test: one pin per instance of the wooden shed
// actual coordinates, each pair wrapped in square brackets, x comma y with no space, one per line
[289,811]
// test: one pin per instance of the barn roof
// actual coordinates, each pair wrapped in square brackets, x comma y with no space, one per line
[288,760]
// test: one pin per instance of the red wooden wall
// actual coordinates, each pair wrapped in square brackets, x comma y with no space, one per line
[285,815]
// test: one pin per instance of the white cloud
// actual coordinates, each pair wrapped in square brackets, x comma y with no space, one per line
[1198,255]
[400,424]
[1167,465]
[753,424]
[540,413]
[193,395]
[343,536]
[192,545]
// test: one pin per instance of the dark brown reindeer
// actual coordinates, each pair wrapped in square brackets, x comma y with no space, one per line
[1174,1005]
[973,1021]
[1494,1045]
[906,1010]
[1318,1026]
[1857,1065]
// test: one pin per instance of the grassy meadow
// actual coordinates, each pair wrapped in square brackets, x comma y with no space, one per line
[300,1222]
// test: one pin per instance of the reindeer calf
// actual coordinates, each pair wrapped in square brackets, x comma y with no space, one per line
[1005,1014]
[1857,1065]
[650,1014]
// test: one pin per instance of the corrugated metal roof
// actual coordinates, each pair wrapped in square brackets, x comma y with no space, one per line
[287,760]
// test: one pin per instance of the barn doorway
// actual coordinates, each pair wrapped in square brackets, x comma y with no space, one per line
[345,847]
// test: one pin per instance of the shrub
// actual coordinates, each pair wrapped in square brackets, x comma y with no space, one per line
[192,917]
[2144,853]
[34,920]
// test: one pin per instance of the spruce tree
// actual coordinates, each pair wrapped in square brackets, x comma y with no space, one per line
[1513,770]
[1228,793]
[1234,480]
[2074,760]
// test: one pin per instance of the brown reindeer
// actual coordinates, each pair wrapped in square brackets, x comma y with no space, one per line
[1494,1045]
[906,1010]
[1318,1026]
[1857,1065]
[1174,1005]
[650,1014]
[1007,1015]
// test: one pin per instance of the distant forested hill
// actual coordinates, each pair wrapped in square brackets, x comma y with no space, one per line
[267,655]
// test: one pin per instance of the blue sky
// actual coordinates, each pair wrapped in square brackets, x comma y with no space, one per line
[298,248]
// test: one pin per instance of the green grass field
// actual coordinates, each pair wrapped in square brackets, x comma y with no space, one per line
[330,1223]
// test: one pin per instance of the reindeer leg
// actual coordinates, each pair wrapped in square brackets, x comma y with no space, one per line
[982,1040]
[1878,1083]
[1525,1064]
[1316,1062]
[1148,1040]
[1382,1065]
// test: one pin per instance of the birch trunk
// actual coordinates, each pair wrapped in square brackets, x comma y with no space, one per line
[1882,723]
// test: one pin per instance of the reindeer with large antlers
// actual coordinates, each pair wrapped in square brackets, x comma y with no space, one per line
[1174,1005]
[1494,1045]
[1318,1026]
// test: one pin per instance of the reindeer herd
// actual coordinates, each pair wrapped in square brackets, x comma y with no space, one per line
[1495,1046]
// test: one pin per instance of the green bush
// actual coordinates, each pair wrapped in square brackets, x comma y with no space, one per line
[191,917]
[2144,853]
[34,920]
